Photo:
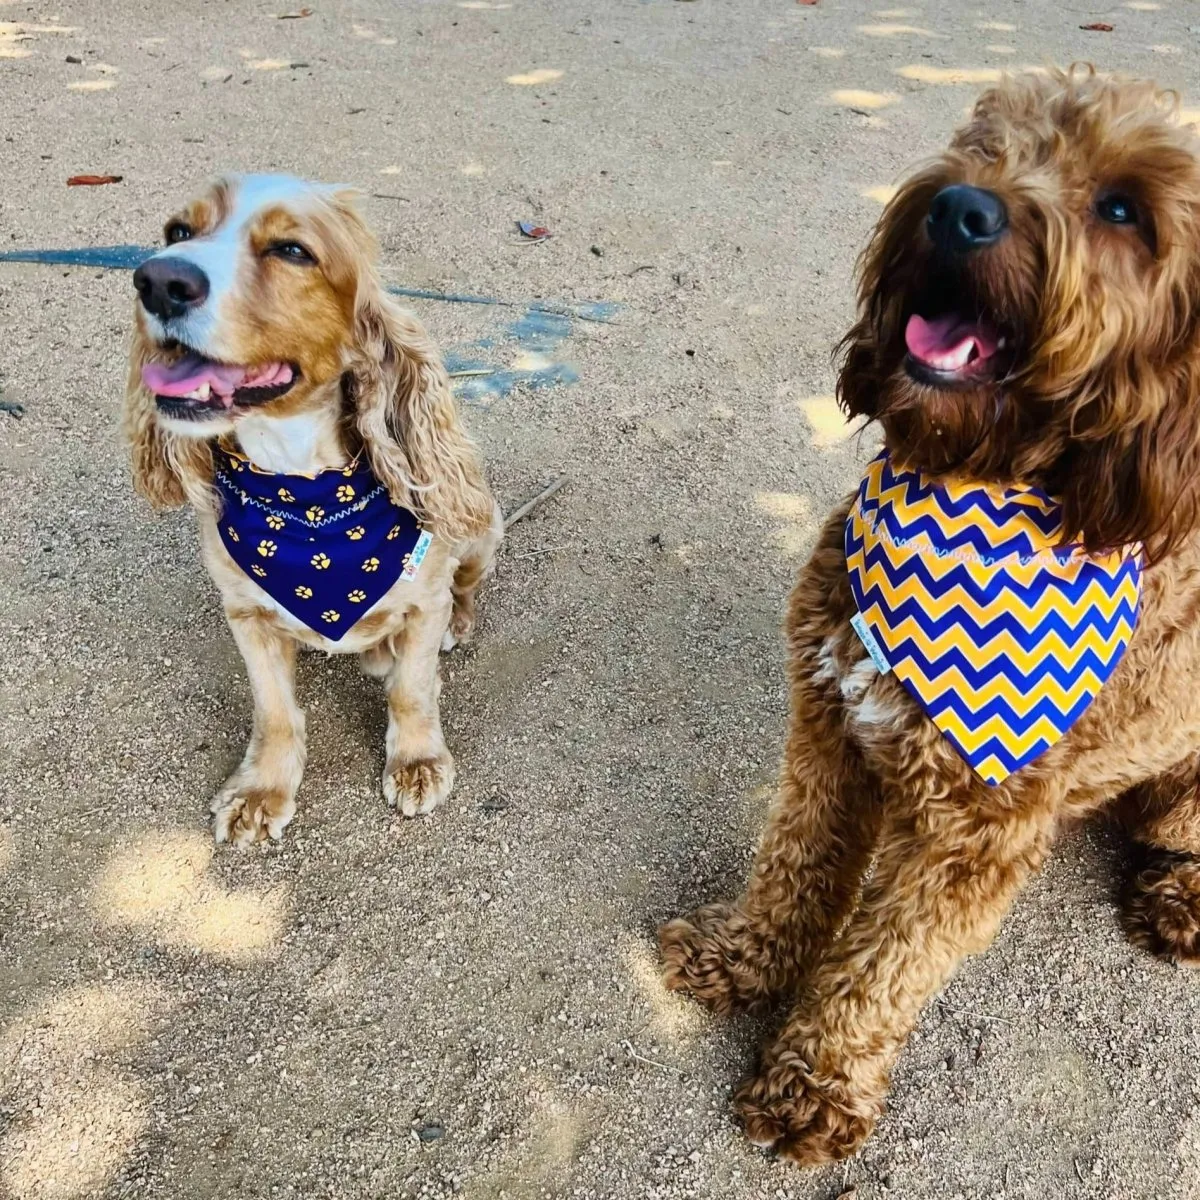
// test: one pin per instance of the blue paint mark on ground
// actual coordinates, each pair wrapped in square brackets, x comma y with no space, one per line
[111,258]
[540,329]
[129,258]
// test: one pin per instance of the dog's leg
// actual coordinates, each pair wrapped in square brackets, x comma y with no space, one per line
[1161,897]
[944,877]
[474,567]
[259,798]
[820,835]
[419,772]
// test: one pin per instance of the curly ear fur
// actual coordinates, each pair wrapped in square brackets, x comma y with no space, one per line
[405,412]
[159,462]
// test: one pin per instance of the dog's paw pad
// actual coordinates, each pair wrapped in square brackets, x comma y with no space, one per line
[418,787]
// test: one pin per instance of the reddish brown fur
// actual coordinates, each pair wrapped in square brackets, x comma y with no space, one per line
[1103,407]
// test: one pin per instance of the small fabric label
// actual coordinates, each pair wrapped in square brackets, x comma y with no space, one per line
[416,556]
[859,624]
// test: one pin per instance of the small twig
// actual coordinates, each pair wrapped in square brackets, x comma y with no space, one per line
[1079,1171]
[543,550]
[968,1012]
[628,1046]
[386,195]
[533,503]
[641,267]
[471,371]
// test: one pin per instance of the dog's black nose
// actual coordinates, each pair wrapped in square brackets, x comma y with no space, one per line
[962,219]
[168,287]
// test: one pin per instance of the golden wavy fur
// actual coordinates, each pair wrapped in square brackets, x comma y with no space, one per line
[289,277]
[1092,296]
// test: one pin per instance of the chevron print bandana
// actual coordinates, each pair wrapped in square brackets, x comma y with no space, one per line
[1003,635]
[326,547]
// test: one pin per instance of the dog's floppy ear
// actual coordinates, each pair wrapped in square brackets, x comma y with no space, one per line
[1139,483]
[408,420]
[158,460]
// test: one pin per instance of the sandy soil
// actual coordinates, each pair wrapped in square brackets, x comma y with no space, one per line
[469,1004]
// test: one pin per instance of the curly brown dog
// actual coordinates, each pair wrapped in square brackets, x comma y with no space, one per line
[1061,232]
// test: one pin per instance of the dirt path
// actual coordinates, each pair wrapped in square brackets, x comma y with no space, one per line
[469,1005]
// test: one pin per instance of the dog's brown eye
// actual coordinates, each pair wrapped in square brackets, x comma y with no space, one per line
[1117,210]
[292,252]
[178,231]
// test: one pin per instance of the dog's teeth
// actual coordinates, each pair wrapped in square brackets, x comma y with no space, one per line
[202,392]
[1001,343]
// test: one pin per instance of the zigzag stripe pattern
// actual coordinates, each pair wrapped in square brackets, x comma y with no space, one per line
[1001,632]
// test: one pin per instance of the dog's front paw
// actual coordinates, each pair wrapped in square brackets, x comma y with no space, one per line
[784,1110]
[418,787]
[245,813]
[712,955]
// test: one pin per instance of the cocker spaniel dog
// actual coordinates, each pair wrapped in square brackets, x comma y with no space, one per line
[309,422]
[999,632]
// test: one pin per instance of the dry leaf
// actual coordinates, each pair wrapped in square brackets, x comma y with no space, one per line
[810,3]
[296,16]
[93,180]
[1098,27]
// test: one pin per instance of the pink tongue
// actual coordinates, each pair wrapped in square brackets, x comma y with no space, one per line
[192,371]
[947,343]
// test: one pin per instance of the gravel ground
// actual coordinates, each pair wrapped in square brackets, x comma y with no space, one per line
[469,1004]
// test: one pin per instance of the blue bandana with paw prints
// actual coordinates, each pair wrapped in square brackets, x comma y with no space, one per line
[326,547]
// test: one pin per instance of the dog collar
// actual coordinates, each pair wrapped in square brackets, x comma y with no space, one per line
[325,547]
[1003,634]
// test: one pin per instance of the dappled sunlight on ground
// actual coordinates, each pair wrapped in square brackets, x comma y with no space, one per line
[536,1165]
[889,29]
[828,422]
[532,78]
[160,885]
[17,38]
[922,73]
[673,1018]
[794,511]
[77,1111]
[858,98]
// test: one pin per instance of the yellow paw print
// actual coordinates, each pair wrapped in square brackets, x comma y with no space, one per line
[320,561]
[372,564]
[357,532]
[305,593]
[258,570]
[237,464]
[286,496]
[274,522]
[393,533]
[266,548]
[315,513]
[345,493]
[233,533]
[331,615]
[357,596]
